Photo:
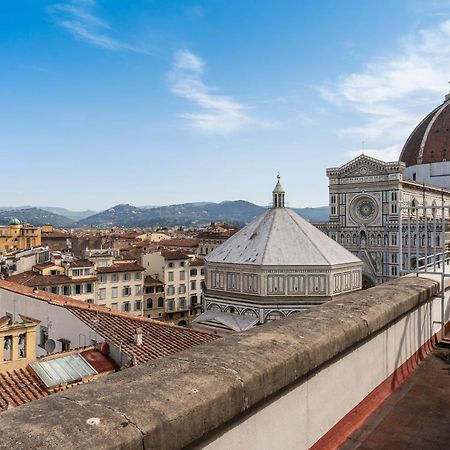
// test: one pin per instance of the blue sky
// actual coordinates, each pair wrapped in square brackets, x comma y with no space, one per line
[161,102]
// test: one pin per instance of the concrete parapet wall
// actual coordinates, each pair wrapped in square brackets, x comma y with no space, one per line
[281,385]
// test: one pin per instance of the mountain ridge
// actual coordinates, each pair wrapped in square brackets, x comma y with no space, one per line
[237,212]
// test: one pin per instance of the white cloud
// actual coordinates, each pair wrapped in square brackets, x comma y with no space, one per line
[77,17]
[390,153]
[216,114]
[392,92]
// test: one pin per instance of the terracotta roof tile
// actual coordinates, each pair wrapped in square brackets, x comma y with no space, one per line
[34,279]
[24,385]
[173,255]
[120,267]
[179,243]
[150,281]
[159,339]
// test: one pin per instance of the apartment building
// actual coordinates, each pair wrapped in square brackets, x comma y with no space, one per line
[181,285]
[17,236]
[23,260]
[196,278]
[154,298]
[75,278]
[120,287]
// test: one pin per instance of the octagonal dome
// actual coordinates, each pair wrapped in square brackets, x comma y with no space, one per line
[430,140]
[280,237]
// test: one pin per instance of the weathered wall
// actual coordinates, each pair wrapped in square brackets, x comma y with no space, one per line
[282,385]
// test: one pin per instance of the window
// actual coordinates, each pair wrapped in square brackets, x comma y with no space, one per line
[126,291]
[182,264]
[193,272]
[202,272]
[193,300]
[138,276]
[54,290]
[233,281]
[90,300]
[22,345]
[275,284]
[114,292]
[102,279]
[43,336]
[78,289]
[170,304]
[217,280]
[170,290]
[170,264]
[126,306]
[126,277]
[138,289]
[102,293]
[182,275]
[160,302]
[65,344]
[183,303]
[114,305]
[114,277]
[66,290]
[149,303]
[193,285]
[150,290]
[137,305]
[182,289]
[89,288]
[169,276]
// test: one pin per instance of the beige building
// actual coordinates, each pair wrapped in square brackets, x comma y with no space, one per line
[196,280]
[172,268]
[154,236]
[17,342]
[17,236]
[75,279]
[120,287]
[154,298]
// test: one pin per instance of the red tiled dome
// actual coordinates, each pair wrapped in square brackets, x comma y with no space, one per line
[430,140]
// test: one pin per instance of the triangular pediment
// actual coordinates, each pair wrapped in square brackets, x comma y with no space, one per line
[363,166]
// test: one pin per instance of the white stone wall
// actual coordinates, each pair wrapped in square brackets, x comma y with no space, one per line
[298,418]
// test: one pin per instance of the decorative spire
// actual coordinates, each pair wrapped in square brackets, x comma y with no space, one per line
[278,194]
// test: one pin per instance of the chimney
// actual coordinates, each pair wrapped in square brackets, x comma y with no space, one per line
[138,336]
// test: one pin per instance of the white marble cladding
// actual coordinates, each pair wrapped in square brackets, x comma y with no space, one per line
[293,282]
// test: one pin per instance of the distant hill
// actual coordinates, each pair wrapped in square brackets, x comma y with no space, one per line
[237,212]
[74,215]
[35,216]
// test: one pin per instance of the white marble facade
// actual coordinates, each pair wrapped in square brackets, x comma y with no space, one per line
[278,265]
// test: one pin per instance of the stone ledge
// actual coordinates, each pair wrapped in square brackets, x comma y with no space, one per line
[173,401]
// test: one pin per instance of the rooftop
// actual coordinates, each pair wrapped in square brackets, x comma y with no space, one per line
[121,267]
[417,415]
[159,339]
[21,386]
[34,279]
[280,237]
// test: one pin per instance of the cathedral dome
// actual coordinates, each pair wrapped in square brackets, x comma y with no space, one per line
[14,221]
[430,140]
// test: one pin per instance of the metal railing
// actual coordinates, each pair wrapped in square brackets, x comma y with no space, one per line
[423,244]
